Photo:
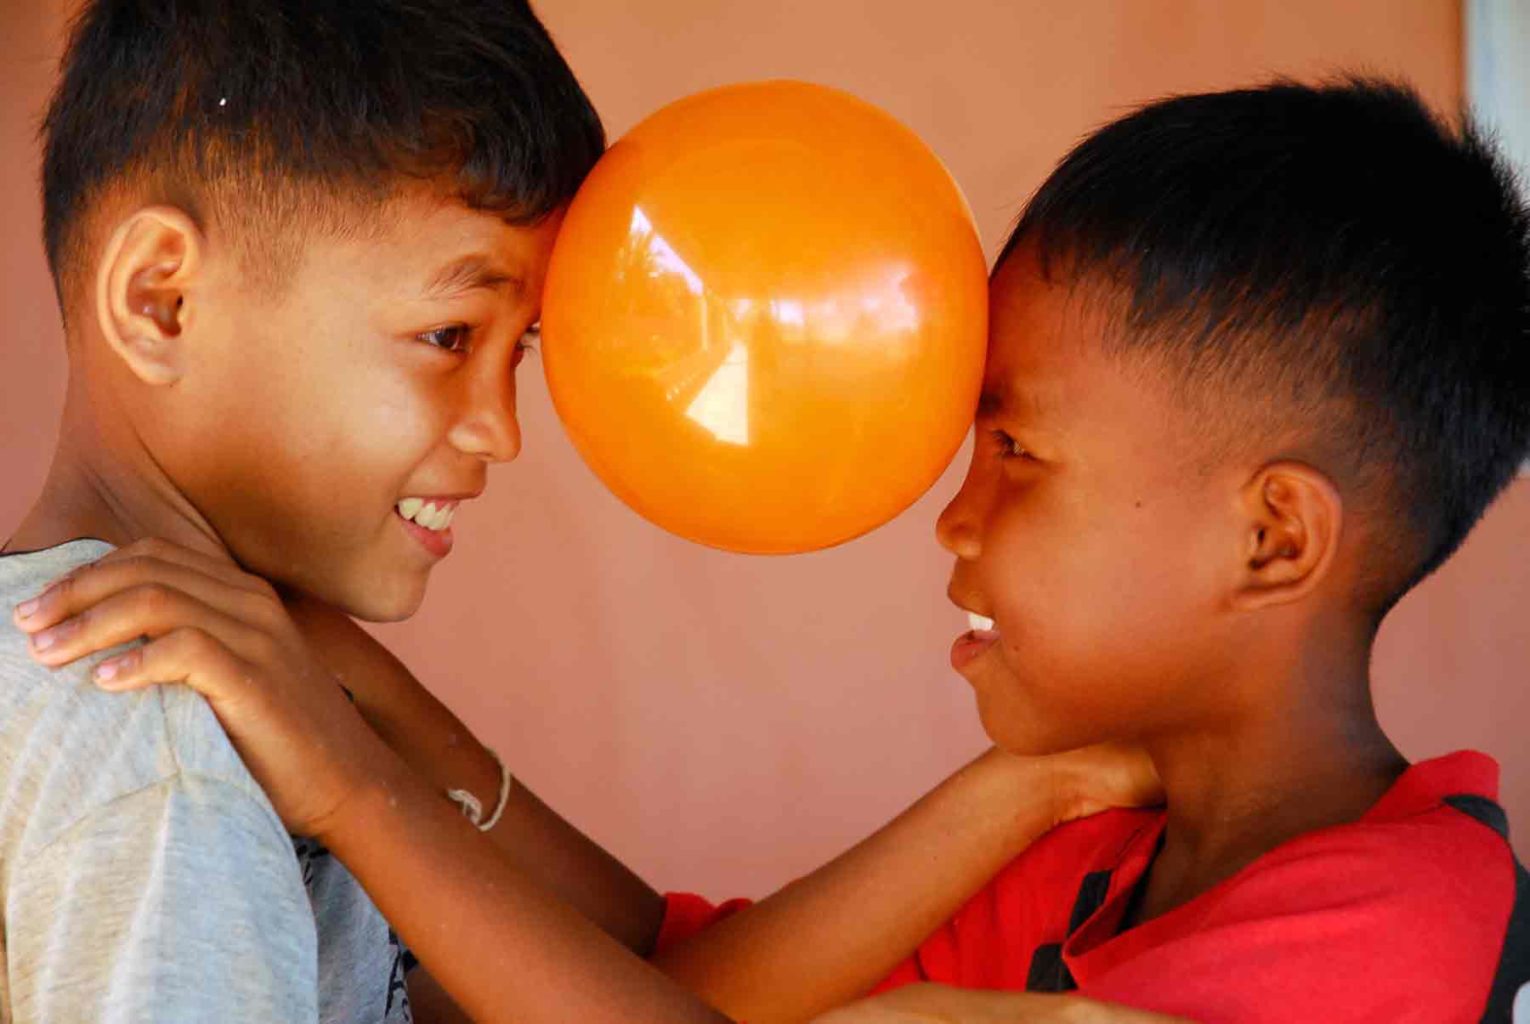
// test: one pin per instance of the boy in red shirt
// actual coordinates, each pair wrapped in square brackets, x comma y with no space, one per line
[1258,363]
[1246,387]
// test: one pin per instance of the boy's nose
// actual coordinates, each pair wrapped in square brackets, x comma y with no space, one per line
[490,429]
[957,528]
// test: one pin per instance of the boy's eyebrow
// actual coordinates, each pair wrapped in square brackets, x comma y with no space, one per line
[467,274]
[1009,401]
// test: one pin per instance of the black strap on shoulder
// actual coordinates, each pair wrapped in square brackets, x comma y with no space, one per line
[1048,973]
[1514,961]
[1484,810]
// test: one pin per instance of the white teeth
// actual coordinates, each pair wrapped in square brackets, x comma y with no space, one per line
[427,513]
[978,622]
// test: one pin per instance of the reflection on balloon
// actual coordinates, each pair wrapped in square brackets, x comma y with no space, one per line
[765,317]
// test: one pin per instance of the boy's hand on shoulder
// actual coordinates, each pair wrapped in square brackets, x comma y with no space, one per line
[942,1004]
[226,634]
[1098,778]
[1070,785]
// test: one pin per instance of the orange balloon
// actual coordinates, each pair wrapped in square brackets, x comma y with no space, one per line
[765,318]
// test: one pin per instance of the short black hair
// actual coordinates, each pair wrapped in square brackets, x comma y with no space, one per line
[265,109]
[1335,255]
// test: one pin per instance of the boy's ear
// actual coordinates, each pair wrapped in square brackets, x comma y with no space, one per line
[1293,515]
[143,290]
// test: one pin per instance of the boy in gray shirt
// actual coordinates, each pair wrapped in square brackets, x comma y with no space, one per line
[146,875]
[239,389]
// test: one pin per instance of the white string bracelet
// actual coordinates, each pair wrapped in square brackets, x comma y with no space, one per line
[473,808]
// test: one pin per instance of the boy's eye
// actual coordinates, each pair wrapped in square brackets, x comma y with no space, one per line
[530,338]
[1009,448]
[527,342]
[451,338]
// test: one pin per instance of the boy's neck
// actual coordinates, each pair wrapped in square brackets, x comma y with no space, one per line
[107,487]
[1319,758]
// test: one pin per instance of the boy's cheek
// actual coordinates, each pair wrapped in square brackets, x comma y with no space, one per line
[1030,731]
[1061,693]
[1019,712]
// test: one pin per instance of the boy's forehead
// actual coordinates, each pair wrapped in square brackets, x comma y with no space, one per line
[1048,366]
[1035,313]
[436,247]
[1036,340]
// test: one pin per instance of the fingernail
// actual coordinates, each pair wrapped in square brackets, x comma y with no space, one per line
[112,668]
[51,636]
[27,609]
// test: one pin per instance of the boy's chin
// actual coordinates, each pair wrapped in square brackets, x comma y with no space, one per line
[1026,734]
[373,610]
[377,600]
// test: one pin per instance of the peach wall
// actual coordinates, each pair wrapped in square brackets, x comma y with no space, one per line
[724,722]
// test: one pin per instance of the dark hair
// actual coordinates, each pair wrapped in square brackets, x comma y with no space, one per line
[280,105]
[1334,255]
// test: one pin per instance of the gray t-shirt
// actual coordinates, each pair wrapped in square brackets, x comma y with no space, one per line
[144,874]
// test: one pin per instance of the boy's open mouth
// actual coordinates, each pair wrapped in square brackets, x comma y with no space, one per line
[429,521]
[431,514]
[974,642]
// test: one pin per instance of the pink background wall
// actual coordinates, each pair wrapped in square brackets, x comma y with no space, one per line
[726,722]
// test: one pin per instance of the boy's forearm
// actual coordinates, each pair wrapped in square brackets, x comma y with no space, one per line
[926,1002]
[548,849]
[432,741]
[579,871]
[502,947]
[827,938]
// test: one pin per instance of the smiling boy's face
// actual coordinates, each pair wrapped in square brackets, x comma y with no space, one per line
[1091,534]
[383,371]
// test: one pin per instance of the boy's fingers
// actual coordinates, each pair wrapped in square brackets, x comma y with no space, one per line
[148,610]
[90,585]
[186,655]
[152,551]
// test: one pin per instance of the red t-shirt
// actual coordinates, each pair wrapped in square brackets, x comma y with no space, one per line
[1402,916]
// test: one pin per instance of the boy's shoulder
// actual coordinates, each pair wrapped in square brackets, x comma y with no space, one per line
[68,748]
[1402,915]
[106,772]
[1436,828]
[1423,882]
[1430,860]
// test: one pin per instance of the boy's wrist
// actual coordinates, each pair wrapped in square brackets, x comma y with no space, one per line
[1055,786]
[373,779]
[1067,788]
[1043,789]
[1098,778]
